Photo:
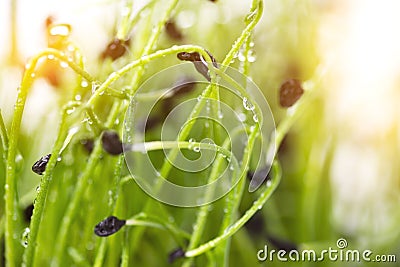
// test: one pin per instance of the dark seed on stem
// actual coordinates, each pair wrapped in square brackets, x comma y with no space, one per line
[176,254]
[186,56]
[290,92]
[108,226]
[173,31]
[40,166]
[111,143]
[115,49]
[199,63]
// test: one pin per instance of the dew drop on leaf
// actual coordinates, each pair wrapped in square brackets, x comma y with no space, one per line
[25,237]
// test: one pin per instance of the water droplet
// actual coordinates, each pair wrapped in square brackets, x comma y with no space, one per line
[78,97]
[19,162]
[268,183]
[192,140]
[51,57]
[255,118]
[60,30]
[38,188]
[242,117]
[250,17]
[84,84]
[196,149]
[241,55]
[199,98]
[251,56]
[25,237]
[70,110]
[71,48]
[63,64]
[247,105]
[220,115]
[95,86]
[70,59]
[33,75]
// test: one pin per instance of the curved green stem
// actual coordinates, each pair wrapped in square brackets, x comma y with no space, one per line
[234,198]
[257,205]
[41,197]
[3,137]
[79,191]
[204,210]
[10,186]
[130,20]
[143,219]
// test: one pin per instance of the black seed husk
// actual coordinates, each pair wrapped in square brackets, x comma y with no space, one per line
[111,143]
[176,254]
[198,61]
[108,226]
[115,49]
[40,166]
[290,92]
